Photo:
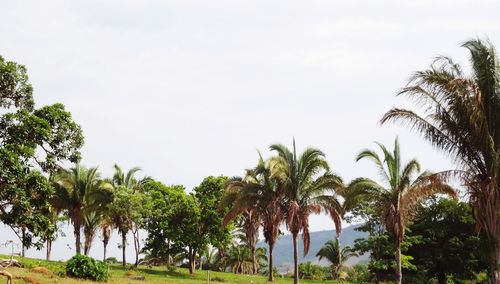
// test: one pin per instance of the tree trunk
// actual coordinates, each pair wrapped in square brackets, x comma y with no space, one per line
[270,268]
[105,246]
[399,274]
[86,246]
[191,260]
[441,277]
[124,245]
[49,248]
[168,253]
[23,246]
[77,237]
[494,264]
[254,261]
[137,246]
[295,260]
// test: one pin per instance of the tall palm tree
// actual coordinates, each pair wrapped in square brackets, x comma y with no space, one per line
[106,230]
[77,190]
[336,255]
[91,222]
[257,192]
[127,181]
[305,180]
[404,188]
[461,117]
[249,224]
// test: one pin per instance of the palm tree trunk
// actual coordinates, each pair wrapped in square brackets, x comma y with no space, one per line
[295,260]
[124,245]
[399,274]
[254,261]
[86,247]
[270,268]
[77,237]
[105,242]
[49,248]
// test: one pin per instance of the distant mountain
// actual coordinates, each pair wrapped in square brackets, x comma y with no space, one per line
[283,249]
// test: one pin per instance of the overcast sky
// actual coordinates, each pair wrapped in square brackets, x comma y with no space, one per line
[186,89]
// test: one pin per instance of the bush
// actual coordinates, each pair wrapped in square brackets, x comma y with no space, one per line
[81,266]
[111,260]
[307,270]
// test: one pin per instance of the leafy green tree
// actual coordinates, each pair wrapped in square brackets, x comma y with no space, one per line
[186,216]
[460,115]
[447,245]
[209,195]
[128,181]
[125,209]
[403,191]
[174,224]
[32,141]
[306,180]
[379,244]
[80,191]
[161,242]
[336,255]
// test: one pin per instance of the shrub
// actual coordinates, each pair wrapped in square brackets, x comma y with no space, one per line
[307,270]
[111,260]
[81,266]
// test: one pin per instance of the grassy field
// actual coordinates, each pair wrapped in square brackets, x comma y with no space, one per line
[155,275]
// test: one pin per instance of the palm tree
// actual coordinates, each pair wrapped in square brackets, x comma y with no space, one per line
[128,182]
[461,117]
[332,251]
[249,224]
[78,191]
[239,259]
[257,192]
[403,190]
[128,179]
[106,230]
[305,180]
[91,222]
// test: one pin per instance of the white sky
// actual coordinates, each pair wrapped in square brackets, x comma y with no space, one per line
[186,89]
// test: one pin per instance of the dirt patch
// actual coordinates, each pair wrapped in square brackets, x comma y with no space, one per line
[42,270]
[27,279]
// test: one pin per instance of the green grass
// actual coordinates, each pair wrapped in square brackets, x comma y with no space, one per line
[153,275]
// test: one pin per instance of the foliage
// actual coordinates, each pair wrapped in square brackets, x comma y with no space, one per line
[448,247]
[80,192]
[309,187]
[310,271]
[258,200]
[359,274]
[32,141]
[208,195]
[173,224]
[161,240]
[460,115]
[395,201]
[379,244]
[336,255]
[124,211]
[85,267]
[111,260]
